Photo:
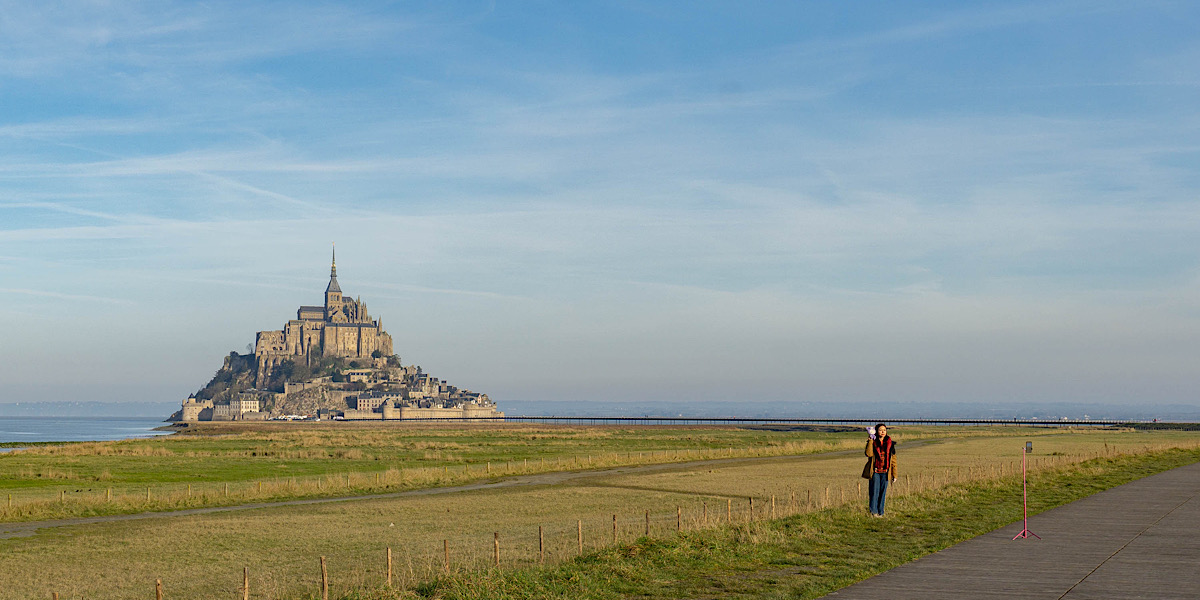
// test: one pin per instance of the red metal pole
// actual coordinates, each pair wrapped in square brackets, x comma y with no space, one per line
[1025,532]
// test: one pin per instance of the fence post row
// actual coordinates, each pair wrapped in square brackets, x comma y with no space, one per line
[932,479]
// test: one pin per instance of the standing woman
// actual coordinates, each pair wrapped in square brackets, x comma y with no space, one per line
[882,451]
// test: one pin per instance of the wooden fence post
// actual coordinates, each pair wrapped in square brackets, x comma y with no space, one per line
[614,529]
[158,589]
[189,490]
[704,508]
[678,518]
[226,489]
[496,547]
[147,494]
[446,556]
[389,566]
[772,507]
[62,495]
[54,595]
[729,510]
[751,508]
[245,583]
[541,546]
[647,523]
[324,580]
[579,533]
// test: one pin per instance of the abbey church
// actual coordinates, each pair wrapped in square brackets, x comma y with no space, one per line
[332,361]
[341,328]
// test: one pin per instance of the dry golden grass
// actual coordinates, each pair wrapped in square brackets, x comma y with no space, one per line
[87,497]
[203,556]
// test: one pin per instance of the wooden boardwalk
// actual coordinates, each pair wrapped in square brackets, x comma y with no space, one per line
[1139,540]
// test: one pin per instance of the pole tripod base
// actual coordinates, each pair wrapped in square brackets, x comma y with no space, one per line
[1025,533]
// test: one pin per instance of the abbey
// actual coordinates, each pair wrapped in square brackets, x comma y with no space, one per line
[341,328]
[332,361]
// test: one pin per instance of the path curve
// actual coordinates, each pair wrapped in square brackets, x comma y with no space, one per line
[29,528]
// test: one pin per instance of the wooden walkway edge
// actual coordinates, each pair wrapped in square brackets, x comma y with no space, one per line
[1138,540]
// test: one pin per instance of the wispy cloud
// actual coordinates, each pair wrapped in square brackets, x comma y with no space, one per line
[62,296]
[903,188]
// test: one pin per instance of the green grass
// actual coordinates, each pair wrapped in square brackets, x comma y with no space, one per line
[232,463]
[805,556]
[202,556]
[259,462]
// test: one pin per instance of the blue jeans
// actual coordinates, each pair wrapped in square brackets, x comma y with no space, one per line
[877,491]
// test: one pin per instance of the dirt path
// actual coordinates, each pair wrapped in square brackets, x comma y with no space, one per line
[29,528]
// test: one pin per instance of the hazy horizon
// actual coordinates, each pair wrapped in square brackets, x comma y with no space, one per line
[1048,411]
[980,204]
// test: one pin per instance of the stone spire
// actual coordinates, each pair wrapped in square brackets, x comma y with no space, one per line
[333,284]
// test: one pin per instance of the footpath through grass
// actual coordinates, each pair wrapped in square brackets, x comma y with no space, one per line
[804,556]
[224,464]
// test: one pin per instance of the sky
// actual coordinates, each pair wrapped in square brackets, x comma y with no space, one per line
[619,201]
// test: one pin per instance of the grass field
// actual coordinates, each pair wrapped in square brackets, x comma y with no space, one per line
[233,463]
[799,557]
[203,555]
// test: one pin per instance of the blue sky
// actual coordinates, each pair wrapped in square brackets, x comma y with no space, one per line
[620,200]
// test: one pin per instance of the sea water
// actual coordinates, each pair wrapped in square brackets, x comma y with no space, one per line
[76,429]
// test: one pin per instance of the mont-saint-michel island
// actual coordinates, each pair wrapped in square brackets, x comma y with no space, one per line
[332,361]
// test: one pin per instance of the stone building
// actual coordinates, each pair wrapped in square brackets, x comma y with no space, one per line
[196,410]
[375,387]
[342,327]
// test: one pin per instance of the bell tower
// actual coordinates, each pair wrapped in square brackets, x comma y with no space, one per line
[333,292]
